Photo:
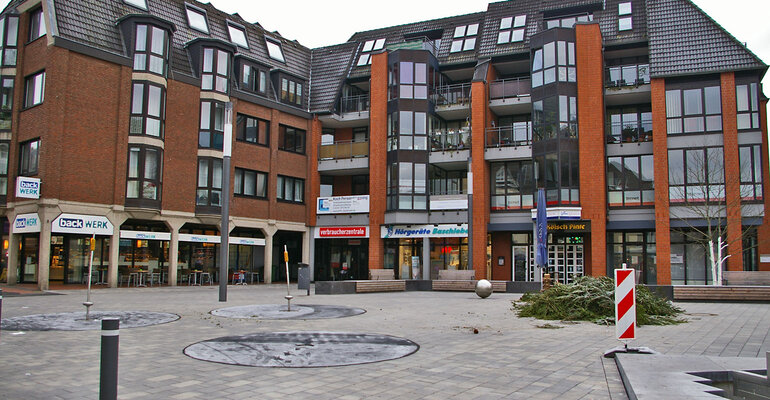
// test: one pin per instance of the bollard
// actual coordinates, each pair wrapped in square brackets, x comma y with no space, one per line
[108,378]
[1,307]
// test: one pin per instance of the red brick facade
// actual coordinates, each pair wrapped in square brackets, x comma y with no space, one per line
[378,117]
[660,163]
[732,173]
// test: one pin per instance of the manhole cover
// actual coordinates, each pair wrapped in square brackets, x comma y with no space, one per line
[301,349]
[279,311]
[76,321]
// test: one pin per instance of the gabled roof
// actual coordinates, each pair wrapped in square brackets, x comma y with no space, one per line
[684,40]
[329,67]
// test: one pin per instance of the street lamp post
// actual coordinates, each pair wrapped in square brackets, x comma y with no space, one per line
[224,245]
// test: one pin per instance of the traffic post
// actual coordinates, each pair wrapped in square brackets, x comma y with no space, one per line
[625,312]
[108,374]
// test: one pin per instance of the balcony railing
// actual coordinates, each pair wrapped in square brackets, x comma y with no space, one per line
[518,134]
[627,75]
[453,95]
[450,140]
[629,134]
[506,88]
[351,104]
[343,149]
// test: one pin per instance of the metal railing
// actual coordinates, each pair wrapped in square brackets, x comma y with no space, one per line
[343,149]
[453,95]
[627,75]
[351,104]
[450,140]
[505,88]
[518,134]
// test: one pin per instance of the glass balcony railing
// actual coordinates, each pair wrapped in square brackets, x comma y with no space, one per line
[453,95]
[518,134]
[451,140]
[506,88]
[627,75]
[343,149]
[351,104]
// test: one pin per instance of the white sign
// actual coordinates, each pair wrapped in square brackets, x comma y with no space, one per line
[28,187]
[186,237]
[145,235]
[764,258]
[82,224]
[246,241]
[677,258]
[405,231]
[343,205]
[26,223]
[560,212]
[459,202]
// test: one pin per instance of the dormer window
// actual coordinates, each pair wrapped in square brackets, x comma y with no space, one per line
[137,3]
[568,22]
[291,91]
[150,51]
[274,50]
[237,35]
[624,17]
[512,29]
[196,18]
[366,52]
[464,38]
[216,64]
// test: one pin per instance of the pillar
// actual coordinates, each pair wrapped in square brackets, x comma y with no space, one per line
[732,167]
[173,251]
[268,269]
[660,163]
[378,118]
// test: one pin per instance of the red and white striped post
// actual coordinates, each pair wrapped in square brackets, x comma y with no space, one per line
[625,304]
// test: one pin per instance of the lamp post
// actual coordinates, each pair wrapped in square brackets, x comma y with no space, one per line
[224,244]
[470,213]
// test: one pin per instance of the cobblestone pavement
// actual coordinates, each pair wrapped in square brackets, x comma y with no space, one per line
[509,357]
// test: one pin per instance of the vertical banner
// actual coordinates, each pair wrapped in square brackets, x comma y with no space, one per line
[625,304]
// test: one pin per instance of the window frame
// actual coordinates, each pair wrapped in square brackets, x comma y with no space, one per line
[199,12]
[6,102]
[639,133]
[510,28]
[367,49]
[404,192]
[37,25]
[285,133]
[625,19]
[292,92]
[145,114]
[213,78]
[280,192]
[215,135]
[677,115]
[240,180]
[141,178]
[257,77]
[208,187]
[751,186]
[644,189]
[686,187]
[27,80]
[462,40]
[142,4]
[4,167]
[751,110]
[241,126]
[27,157]
[9,43]
[148,51]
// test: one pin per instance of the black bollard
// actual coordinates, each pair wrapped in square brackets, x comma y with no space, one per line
[108,379]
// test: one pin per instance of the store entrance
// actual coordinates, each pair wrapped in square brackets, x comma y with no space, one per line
[565,259]
[341,259]
[70,255]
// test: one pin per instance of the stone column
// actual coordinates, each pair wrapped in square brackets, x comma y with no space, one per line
[426,258]
[173,251]
[12,272]
[112,269]
[269,233]
[44,252]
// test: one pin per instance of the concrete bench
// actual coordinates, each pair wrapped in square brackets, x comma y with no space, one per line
[380,286]
[722,293]
[466,285]
[456,274]
[744,278]
[381,274]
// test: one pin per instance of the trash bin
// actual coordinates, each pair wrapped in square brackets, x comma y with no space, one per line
[303,277]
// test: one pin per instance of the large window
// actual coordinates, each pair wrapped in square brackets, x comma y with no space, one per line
[413,80]
[443,182]
[291,91]
[6,102]
[253,78]
[9,31]
[34,89]
[637,250]
[629,124]
[512,29]
[554,117]
[209,192]
[464,38]
[250,183]
[290,189]
[216,64]
[28,157]
[696,175]
[630,181]
[145,171]
[408,130]
[695,110]
[252,130]
[366,51]
[147,109]
[554,61]
[407,186]
[150,49]
[196,18]
[689,261]
[512,186]
[747,102]
[291,139]
[36,24]
[212,125]
[751,172]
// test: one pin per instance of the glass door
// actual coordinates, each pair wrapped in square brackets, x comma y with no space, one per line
[58,259]
[78,255]
[520,263]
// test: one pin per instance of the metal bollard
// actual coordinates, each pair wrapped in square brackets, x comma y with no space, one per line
[108,378]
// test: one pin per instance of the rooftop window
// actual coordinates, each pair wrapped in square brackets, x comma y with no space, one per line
[197,19]
[512,29]
[137,3]
[464,38]
[274,50]
[568,22]
[237,35]
[624,20]
[370,46]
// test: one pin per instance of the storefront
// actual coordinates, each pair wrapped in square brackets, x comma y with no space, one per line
[27,226]
[567,241]
[198,252]
[341,253]
[407,247]
[247,253]
[71,250]
[144,246]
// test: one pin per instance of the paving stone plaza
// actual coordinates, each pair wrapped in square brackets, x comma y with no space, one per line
[509,357]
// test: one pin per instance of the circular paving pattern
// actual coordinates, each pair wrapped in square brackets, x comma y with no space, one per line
[76,321]
[301,349]
[278,311]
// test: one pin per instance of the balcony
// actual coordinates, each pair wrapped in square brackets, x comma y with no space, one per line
[510,96]
[352,111]
[509,142]
[450,148]
[453,101]
[627,84]
[345,157]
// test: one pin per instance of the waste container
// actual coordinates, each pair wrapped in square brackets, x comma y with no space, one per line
[303,277]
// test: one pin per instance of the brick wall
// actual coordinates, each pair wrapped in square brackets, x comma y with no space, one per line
[660,165]
[378,114]
[732,173]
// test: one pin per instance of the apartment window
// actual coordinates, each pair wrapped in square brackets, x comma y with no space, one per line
[629,124]
[215,70]
[147,109]
[250,183]
[512,185]
[630,181]
[696,175]
[9,31]
[695,110]
[407,186]
[550,125]
[36,24]
[196,18]
[413,80]
[209,192]
[274,50]
[747,102]
[291,91]
[625,22]
[291,139]
[567,22]
[137,3]
[558,173]
[4,152]
[512,29]
[554,61]
[253,79]
[212,125]
[28,157]
[751,172]
[145,171]
[290,189]
[359,185]
[34,89]
[407,130]
[150,49]
[464,38]
[444,182]
[252,130]
[369,47]
[237,34]
[6,102]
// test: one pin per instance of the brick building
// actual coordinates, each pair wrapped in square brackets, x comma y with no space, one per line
[416,148]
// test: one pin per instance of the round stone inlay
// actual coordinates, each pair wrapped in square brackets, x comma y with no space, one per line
[76,321]
[278,311]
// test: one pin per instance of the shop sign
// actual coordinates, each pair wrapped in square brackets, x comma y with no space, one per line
[569,226]
[406,231]
[570,213]
[677,258]
[145,235]
[28,187]
[764,258]
[26,223]
[343,205]
[186,237]
[342,231]
[246,241]
[82,224]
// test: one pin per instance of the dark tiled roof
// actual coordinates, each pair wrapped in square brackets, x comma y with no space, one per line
[329,67]
[684,40]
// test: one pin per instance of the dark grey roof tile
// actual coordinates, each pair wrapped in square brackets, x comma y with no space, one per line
[330,65]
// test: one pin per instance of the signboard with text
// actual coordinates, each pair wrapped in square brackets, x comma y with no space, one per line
[405,231]
[343,205]
[26,223]
[82,224]
[27,187]
[342,232]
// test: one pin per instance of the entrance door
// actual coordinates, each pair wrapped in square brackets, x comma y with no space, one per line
[58,259]
[520,263]
[565,261]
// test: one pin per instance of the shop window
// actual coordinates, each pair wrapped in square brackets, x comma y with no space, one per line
[291,91]
[196,19]
[34,89]
[290,189]
[36,24]
[9,31]
[250,183]
[630,181]
[145,171]
[291,139]
[512,185]
[512,29]
[253,79]
[274,50]
[747,102]
[209,192]
[636,250]
[696,175]
[6,102]
[689,259]
[237,34]
[28,157]
[367,50]
[151,49]
[464,38]
[694,110]
[751,172]
[216,65]
[148,102]
[629,124]
[252,130]
[212,125]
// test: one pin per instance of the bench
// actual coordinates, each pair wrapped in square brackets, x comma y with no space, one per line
[722,293]
[380,286]
[746,278]
[456,274]
[381,274]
